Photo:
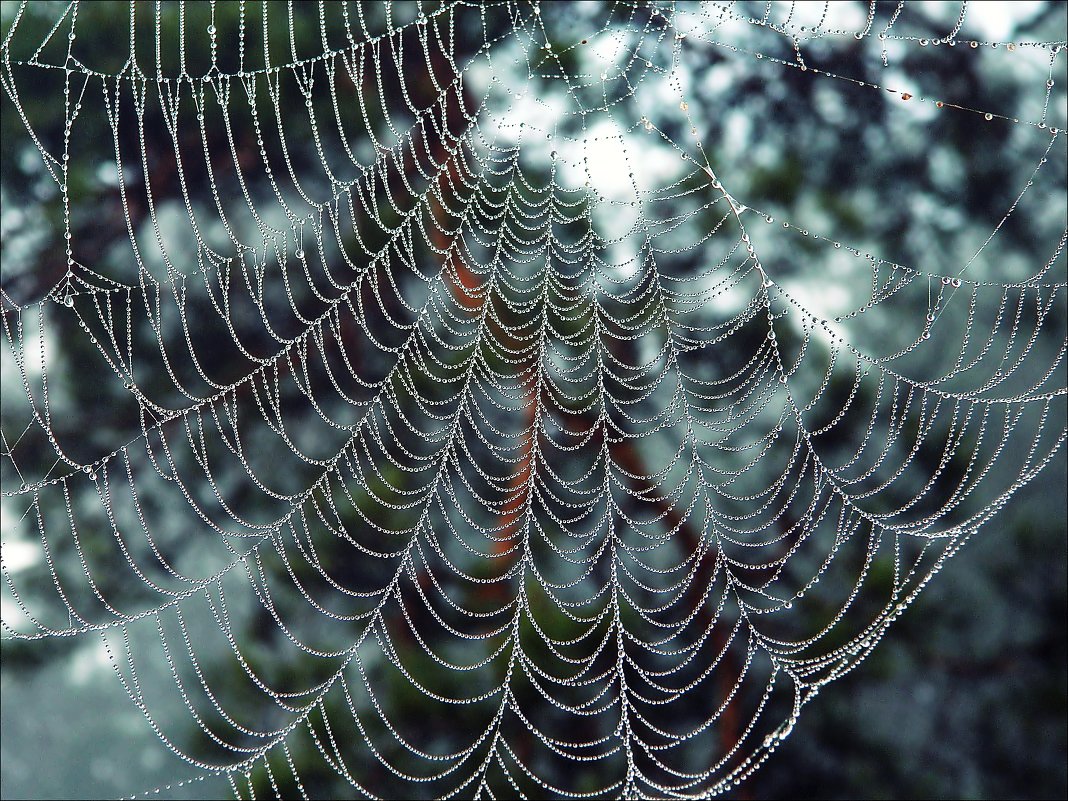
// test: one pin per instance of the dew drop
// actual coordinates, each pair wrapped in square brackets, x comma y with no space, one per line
[211,30]
[906,96]
[989,116]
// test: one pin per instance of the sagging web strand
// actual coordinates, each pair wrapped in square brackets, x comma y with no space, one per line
[476,489]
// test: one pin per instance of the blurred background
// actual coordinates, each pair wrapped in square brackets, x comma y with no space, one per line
[966,697]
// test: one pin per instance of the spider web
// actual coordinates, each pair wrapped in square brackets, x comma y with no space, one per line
[456,428]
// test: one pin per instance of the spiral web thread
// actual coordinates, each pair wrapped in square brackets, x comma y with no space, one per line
[438,458]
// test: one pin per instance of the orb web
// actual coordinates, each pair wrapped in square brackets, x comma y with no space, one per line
[461,423]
